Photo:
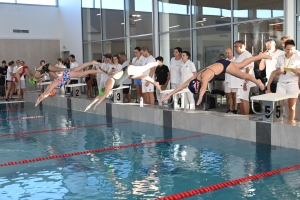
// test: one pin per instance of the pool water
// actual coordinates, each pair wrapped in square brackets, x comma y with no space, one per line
[136,172]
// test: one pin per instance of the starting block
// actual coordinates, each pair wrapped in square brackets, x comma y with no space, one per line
[118,93]
[272,106]
[178,98]
[76,89]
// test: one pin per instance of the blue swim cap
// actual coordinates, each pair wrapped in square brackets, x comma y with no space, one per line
[192,88]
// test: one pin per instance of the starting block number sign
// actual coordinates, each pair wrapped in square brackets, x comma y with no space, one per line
[118,94]
[272,106]
[178,98]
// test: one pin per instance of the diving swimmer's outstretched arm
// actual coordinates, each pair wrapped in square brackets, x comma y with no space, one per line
[181,87]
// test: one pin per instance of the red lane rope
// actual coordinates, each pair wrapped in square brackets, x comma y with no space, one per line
[60,129]
[34,117]
[94,151]
[222,185]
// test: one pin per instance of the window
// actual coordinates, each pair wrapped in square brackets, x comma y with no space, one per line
[8,1]
[39,2]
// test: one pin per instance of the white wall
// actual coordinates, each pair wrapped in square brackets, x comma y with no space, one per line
[71,28]
[41,21]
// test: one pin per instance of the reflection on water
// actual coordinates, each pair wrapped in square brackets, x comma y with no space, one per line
[142,172]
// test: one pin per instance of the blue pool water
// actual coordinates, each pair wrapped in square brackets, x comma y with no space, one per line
[143,172]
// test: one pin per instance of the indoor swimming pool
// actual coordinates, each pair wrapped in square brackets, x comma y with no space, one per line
[54,153]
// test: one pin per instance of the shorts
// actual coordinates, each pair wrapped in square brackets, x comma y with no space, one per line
[23,86]
[288,88]
[228,89]
[241,94]
[126,90]
[145,89]
[137,82]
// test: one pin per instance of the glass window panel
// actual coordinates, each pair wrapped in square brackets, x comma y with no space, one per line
[114,46]
[277,13]
[207,12]
[168,41]
[247,10]
[113,19]
[97,3]
[255,34]
[263,13]
[143,5]
[92,51]
[38,2]
[87,3]
[298,7]
[113,4]
[173,15]
[91,28]
[7,1]
[209,43]
[138,22]
[139,42]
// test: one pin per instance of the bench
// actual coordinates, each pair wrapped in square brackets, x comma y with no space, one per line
[272,106]
[118,93]
[178,101]
[76,89]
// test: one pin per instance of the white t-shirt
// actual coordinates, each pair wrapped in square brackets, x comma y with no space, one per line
[186,71]
[60,66]
[138,62]
[271,64]
[8,76]
[237,82]
[118,67]
[105,67]
[293,62]
[145,62]
[73,65]
[175,68]
[227,76]
[127,81]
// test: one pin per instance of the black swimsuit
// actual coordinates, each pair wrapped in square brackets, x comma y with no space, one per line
[225,64]
[124,76]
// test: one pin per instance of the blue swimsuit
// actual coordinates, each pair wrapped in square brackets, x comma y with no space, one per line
[64,78]
[225,64]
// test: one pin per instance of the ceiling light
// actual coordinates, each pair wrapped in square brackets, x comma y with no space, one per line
[122,23]
[173,26]
[224,16]
[134,15]
[137,20]
[98,14]
[202,20]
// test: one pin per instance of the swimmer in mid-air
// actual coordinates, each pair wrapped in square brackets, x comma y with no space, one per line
[67,74]
[198,83]
[114,81]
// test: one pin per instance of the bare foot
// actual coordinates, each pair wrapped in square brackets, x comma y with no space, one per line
[264,56]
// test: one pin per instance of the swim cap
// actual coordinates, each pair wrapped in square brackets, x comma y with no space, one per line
[101,92]
[192,87]
[32,80]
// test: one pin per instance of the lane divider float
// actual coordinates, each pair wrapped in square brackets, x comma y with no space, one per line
[20,162]
[35,117]
[190,193]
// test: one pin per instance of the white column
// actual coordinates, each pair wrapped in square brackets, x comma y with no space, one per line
[155,28]
[289,18]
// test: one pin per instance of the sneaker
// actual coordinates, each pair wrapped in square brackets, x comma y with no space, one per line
[6,99]
[234,111]
[11,98]
[229,111]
